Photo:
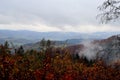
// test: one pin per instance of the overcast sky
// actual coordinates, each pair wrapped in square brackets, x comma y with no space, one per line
[53,15]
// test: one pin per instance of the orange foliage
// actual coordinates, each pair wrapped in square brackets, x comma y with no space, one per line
[57,66]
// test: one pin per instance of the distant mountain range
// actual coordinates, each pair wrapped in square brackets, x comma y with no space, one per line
[21,37]
[68,42]
[103,46]
[106,49]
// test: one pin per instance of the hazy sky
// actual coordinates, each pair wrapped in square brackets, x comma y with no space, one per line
[53,15]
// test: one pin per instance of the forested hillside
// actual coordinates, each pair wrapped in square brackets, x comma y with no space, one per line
[52,63]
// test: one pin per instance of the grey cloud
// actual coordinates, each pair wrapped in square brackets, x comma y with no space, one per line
[51,12]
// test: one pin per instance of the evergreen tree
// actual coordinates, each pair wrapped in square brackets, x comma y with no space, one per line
[20,50]
[43,44]
[48,44]
[6,45]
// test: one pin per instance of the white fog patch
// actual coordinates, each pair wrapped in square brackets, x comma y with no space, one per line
[90,50]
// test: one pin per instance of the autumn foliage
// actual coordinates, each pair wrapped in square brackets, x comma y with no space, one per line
[52,65]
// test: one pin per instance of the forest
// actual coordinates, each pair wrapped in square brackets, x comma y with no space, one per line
[52,63]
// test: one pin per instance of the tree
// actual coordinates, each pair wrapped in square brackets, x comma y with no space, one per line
[110,11]
[6,45]
[48,44]
[20,50]
[43,44]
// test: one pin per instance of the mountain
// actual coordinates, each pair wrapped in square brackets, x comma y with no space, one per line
[95,45]
[24,37]
[111,49]
[32,35]
[107,50]
[55,43]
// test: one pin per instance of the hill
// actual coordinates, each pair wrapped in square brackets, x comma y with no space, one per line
[106,49]
[21,37]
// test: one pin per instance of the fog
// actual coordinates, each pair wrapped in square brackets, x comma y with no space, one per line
[90,50]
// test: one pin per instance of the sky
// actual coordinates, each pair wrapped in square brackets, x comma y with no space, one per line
[53,15]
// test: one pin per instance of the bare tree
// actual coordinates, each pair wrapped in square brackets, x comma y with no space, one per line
[110,11]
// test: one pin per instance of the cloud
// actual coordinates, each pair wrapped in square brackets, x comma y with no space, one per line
[51,15]
[35,27]
[52,12]
[40,27]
